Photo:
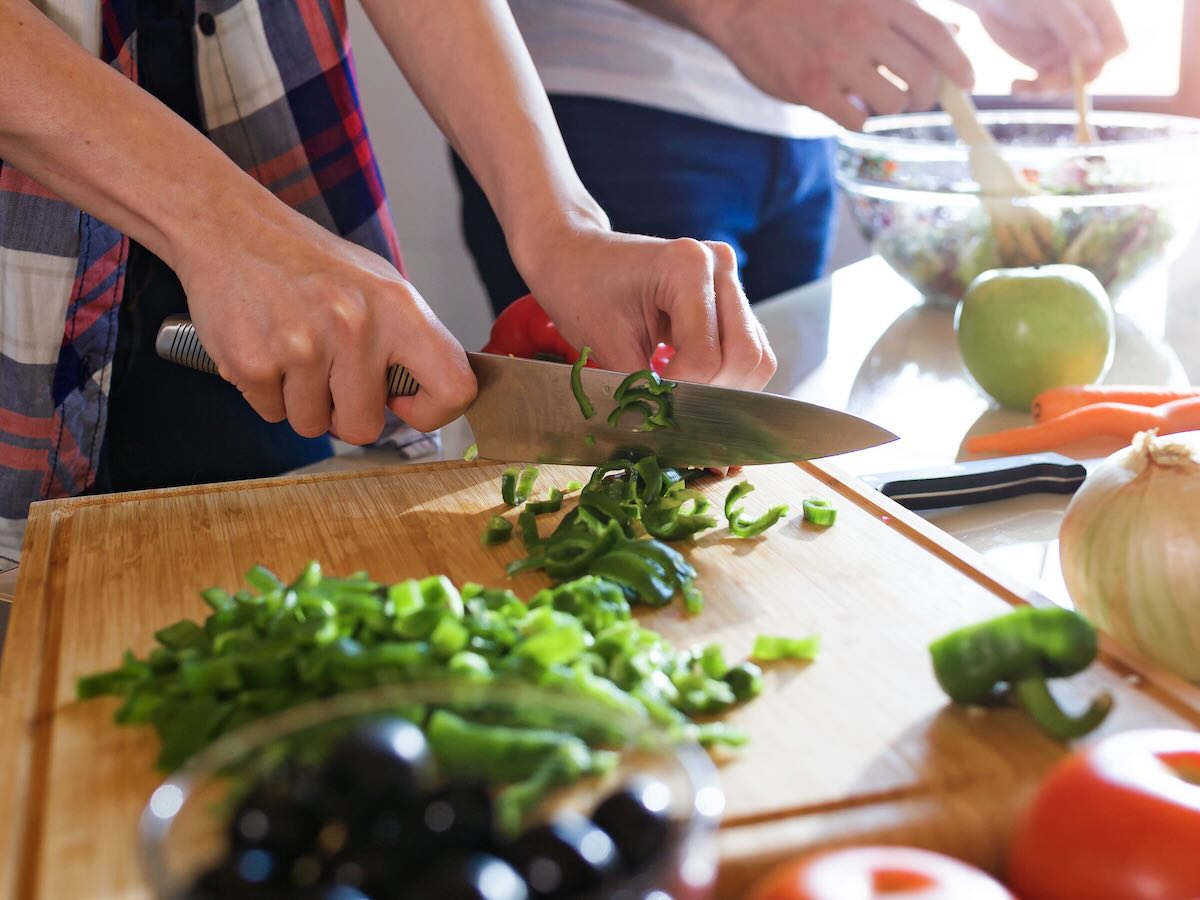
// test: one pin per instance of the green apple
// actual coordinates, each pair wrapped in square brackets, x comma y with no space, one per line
[1023,331]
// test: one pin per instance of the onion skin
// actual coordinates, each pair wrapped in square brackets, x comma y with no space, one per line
[1129,545]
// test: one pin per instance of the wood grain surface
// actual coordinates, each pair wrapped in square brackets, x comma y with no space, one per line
[860,744]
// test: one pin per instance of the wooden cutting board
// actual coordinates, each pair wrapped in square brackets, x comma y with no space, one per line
[860,745]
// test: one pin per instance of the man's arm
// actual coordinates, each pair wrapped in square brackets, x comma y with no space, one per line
[826,53]
[300,320]
[619,293]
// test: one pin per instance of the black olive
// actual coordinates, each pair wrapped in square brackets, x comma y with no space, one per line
[332,892]
[459,816]
[638,819]
[383,762]
[477,876]
[246,875]
[564,856]
[275,817]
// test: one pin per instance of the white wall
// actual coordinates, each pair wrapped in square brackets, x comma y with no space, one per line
[424,197]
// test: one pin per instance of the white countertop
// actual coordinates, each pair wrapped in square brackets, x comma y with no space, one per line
[894,361]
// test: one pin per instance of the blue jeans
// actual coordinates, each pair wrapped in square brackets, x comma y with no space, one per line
[669,175]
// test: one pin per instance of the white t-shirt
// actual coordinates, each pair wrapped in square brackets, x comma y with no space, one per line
[609,49]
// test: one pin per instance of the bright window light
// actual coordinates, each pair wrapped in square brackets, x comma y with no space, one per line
[1149,68]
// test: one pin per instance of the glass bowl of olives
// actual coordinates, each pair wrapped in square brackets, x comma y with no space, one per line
[446,790]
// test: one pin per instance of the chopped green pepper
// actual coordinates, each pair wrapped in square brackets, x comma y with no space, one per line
[527,520]
[769,648]
[471,453]
[585,405]
[1012,656]
[552,503]
[647,394]
[498,530]
[741,527]
[516,485]
[819,512]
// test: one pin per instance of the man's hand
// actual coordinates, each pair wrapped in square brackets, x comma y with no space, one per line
[305,324]
[622,294]
[826,54]
[1044,34]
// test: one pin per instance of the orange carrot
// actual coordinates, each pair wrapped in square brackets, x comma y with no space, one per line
[1115,420]
[1053,403]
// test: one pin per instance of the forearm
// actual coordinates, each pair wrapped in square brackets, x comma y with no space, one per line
[466,61]
[96,139]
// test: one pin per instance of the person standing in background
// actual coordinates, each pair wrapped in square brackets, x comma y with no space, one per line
[718,118]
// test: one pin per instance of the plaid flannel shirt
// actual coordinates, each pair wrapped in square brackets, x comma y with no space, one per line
[277,95]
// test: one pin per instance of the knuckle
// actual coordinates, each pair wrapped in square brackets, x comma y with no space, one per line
[351,316]
[300,345]
[724,255]
[689,253]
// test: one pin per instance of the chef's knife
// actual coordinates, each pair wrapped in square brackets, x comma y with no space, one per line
[981,480]
[525,412]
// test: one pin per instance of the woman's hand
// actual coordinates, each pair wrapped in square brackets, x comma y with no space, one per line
[306,324]
[1044,34]
[622,294]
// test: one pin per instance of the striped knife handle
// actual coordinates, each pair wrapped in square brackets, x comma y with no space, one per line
[177,342]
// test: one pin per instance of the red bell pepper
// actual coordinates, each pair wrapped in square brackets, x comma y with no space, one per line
[525,330]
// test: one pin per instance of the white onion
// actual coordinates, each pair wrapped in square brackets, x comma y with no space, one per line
[1130,549]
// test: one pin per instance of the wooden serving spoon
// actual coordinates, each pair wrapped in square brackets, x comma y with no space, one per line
[1024,236]
[1084,132]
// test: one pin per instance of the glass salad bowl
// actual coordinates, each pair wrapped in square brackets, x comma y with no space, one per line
[513,787]
[1116,207]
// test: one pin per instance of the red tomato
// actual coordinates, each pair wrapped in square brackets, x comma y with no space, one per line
[865,873]
[1117,820]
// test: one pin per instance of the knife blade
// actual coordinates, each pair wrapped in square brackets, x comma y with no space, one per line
[982,480]
[525,412]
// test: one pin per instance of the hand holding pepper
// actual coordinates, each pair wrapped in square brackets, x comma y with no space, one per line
[623,295]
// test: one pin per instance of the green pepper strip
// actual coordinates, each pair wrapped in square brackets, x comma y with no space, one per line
[471,453]
[498,530]
[585,405]
[508,486]
[527,520]
[517,566]
[744,528]
[552,503]
[1011,654]
[652,401]
[667,519]
[646,580]
[515,486]
[572,486]
[819,512]
[769,648]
